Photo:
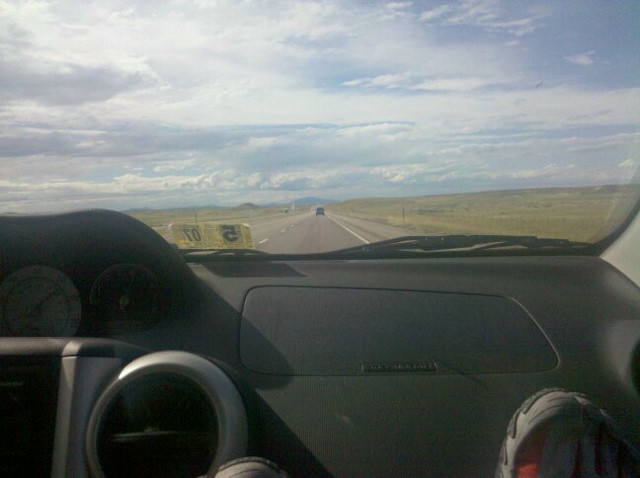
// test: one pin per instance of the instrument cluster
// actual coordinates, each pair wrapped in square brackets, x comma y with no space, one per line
[41,301]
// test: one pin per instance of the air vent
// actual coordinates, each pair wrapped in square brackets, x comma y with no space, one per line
[167,414]
[28,397]
[161,425]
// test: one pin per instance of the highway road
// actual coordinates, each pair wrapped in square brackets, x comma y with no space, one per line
[307,233]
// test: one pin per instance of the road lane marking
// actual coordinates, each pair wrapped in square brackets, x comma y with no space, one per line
[283,230]
[263,241]
[349,230]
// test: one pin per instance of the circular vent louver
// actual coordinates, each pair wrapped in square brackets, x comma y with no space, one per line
[166,414]
[161,425]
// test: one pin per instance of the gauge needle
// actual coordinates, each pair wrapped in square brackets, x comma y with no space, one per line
[124,301]
[38,306]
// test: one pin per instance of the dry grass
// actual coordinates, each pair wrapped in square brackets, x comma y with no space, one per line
[163,217]
[584,214]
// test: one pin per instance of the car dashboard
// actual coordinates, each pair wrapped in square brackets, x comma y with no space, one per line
[119,358]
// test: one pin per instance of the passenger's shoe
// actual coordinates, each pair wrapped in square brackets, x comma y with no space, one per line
[562,434]
[250,467]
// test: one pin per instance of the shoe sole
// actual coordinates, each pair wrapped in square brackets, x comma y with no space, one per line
[578,421]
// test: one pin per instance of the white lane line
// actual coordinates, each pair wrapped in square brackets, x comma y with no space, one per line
[349,230]
[263,241]
[283,230]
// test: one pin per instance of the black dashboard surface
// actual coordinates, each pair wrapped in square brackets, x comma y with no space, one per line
[304,341]
[105,256]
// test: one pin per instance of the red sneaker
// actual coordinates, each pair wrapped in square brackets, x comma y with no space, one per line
[556,433]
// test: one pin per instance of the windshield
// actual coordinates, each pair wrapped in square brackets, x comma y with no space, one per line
[304,127]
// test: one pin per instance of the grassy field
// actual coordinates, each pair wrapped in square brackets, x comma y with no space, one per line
[584,214]
[163,217]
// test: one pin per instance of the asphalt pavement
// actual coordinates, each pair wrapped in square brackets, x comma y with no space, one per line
[307,233]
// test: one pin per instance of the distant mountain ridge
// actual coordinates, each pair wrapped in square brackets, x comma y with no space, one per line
[247,205]
[305,201]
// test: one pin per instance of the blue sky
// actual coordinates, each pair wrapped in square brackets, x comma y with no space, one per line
[178,103]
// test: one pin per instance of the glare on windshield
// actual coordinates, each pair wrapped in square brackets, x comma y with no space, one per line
[300,127]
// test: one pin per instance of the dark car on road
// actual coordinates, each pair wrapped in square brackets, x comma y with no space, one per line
[319,211]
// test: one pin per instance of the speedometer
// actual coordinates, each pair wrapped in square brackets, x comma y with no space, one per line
[38,301]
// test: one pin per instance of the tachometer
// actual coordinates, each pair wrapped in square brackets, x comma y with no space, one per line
[126,292]
[39,301]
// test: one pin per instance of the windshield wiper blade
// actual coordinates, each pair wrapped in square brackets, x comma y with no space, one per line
[186,253]
[456,242]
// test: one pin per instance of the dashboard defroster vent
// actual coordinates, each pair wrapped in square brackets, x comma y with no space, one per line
[167,414]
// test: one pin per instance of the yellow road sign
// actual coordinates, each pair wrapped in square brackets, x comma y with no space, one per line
[212,236]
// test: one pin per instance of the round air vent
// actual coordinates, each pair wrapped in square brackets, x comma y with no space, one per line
[166,414]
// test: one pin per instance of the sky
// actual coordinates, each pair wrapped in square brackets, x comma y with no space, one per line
[191,103]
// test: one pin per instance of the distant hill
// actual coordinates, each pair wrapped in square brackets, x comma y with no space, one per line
[184,208]
[305,201]
[312,201]
[137,209]
[247,205]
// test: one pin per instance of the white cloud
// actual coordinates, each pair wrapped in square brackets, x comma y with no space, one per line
[629,163]
[434,13]
[398,5]
[413,82]
[384,81]
[490,15]
[182,99]
[176,165]
[601,143]
[583,59]
[452,84]
[375,130]
[263,142]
